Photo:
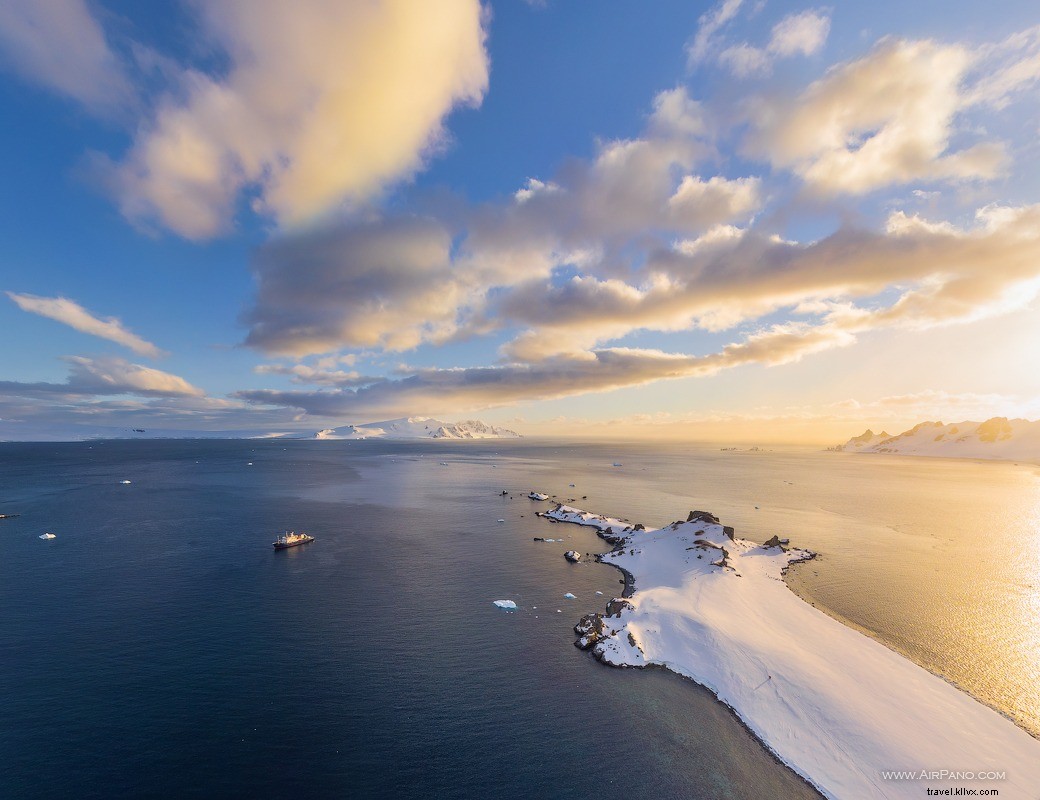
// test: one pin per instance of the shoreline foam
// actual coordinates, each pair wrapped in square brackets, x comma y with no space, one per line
[833,704]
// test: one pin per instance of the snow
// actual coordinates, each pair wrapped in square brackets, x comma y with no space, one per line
[418,428]
[835,705]
[996,438]
[538,496]
[508,605]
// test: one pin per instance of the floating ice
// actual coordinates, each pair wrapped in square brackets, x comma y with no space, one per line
[538,496]
[127,482]
[569,596]
[48,536]
[501,520]
[599,592]
[508,605]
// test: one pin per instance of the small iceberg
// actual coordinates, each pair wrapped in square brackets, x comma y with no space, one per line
[538,496]
[599,592]
[573,556]
[501,520]
[569,596]
[507,605]
[48,536]
[125,483]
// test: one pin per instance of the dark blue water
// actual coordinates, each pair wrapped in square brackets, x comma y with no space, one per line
[158,647]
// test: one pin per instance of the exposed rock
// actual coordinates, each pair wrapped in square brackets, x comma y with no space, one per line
[702,516]
[617,605]
[775,542]
[590,630]
[573,556]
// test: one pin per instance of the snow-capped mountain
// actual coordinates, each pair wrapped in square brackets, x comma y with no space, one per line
[418,428]
[1000,438]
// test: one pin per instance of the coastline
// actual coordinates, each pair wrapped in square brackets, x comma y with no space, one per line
[872,719]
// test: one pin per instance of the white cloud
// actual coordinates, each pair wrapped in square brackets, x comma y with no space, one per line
[71,313]
[58,44]
[90,377]
[705,41]
[802,33]
[324,104]
[799,34]
[884,119]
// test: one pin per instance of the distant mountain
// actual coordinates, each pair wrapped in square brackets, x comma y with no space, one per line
[418,428]
[999,438]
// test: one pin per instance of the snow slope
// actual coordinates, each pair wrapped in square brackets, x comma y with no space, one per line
[418,428]
[835,705]
[999,438]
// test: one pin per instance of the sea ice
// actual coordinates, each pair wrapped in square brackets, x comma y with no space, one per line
[569,596]
[48,536]
[127,482]
[508,605]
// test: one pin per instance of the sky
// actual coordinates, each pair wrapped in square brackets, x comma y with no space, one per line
[747,220]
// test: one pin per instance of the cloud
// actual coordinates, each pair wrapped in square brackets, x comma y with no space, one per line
[472,388]
[324,104]
[90,377]
[799,34]
[386,284]
[705,41]
[396,282]
[71,313]
[59,45]
[802,33]
[884,119]
[304,374]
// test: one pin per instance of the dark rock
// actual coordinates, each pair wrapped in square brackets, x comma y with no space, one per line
[590,630]
[638,527]
[774,542]
[702,516]
[616,606]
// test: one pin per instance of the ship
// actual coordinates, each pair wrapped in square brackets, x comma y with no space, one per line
[291,539]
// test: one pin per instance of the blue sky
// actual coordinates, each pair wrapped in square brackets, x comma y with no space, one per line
[716,220]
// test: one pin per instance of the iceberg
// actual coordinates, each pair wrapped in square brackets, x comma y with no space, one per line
[538,496]
[48,536]
[508,605]
[569,596]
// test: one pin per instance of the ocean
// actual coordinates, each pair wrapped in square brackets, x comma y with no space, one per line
[159,647]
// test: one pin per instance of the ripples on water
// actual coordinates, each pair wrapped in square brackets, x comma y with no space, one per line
[159,647]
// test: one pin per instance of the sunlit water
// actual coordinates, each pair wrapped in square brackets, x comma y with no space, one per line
[159,647]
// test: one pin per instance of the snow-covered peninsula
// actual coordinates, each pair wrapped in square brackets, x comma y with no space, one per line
[838,707]
[996,438]
[418,428]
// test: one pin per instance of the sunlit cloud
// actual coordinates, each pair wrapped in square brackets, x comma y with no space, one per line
[105,376]
[325,103]
[71,313]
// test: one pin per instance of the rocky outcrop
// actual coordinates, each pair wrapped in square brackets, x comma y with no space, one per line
[573,556]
